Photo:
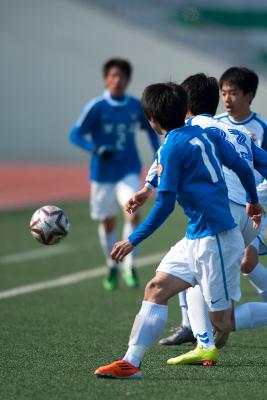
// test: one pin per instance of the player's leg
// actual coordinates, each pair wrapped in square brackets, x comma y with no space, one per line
[172,277]
[183,333]
[124,190]
[253,270]
[217,269]
[103,209]
[254,240]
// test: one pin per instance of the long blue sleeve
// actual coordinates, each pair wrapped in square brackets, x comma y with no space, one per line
[163,207]
[85,122]
[246,176]
[77,136]
[259,159]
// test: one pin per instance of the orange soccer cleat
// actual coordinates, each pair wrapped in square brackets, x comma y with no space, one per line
[120,369]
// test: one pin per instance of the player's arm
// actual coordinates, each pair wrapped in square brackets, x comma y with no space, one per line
[163,207]
[231,159]
[82,127]
[259,159]
[264,140]
[153,137]
[139,198]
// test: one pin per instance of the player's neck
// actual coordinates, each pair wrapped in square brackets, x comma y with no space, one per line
[240,115]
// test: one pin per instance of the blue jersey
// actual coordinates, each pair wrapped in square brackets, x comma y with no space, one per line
[190,164]
[112,123]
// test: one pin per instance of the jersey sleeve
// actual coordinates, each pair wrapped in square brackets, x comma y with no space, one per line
[168,167]
[152,176]
[227,152]
[262,192]
[82,127]
[163,207]
[264,140]
[259,159]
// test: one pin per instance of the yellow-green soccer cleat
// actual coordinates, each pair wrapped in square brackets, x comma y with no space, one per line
[196,356]
[131,278]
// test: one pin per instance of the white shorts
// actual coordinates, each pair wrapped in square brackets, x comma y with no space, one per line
[259,242]
[105,198]
[244,223]
[213,262]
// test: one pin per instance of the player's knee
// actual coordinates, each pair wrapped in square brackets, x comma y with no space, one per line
[246,266]
[222,324]
[108,224]
[155,292]
[249,261]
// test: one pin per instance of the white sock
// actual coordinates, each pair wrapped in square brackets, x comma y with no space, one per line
[107,241]
[183,306]
[148,325]
[258,279]
[199,317]
[250,315]
[128,228]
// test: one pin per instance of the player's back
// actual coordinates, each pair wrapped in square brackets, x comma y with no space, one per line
[242,144]
[191,159]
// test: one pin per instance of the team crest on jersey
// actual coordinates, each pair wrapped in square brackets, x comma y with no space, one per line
[160,170]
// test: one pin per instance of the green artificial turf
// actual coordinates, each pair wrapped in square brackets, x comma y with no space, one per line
[51,341]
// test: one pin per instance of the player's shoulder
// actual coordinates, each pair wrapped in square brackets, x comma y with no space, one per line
[261,120]
[179,137]
[221,116]
[94,103]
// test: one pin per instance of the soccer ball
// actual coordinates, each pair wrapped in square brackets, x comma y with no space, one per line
[49,225]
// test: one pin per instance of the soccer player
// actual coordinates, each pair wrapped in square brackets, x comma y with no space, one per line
[238,88]
[189,170]
[203,99]
[112,121]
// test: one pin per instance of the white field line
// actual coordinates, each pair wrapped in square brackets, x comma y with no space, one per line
[74,278]
[34,254]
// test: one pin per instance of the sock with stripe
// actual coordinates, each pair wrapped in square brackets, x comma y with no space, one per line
[250,315]
[258,279]
[199,318]
[148,325]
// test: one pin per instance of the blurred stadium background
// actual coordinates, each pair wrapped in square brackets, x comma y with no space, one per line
[51,55]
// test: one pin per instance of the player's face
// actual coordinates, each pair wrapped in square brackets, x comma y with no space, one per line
[234,99]
[116,82]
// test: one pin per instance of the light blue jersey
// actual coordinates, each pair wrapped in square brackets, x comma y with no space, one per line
[190,164]
[112,123]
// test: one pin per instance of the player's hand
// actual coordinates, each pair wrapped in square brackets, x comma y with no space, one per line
[255,212]
[105,151]
[137,200]
[121,249]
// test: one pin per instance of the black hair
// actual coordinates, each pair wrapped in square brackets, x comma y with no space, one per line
[166,103]
[202,93]
[246,79]
[124,65]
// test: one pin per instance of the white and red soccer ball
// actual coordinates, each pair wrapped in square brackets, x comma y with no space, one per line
[49,225]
